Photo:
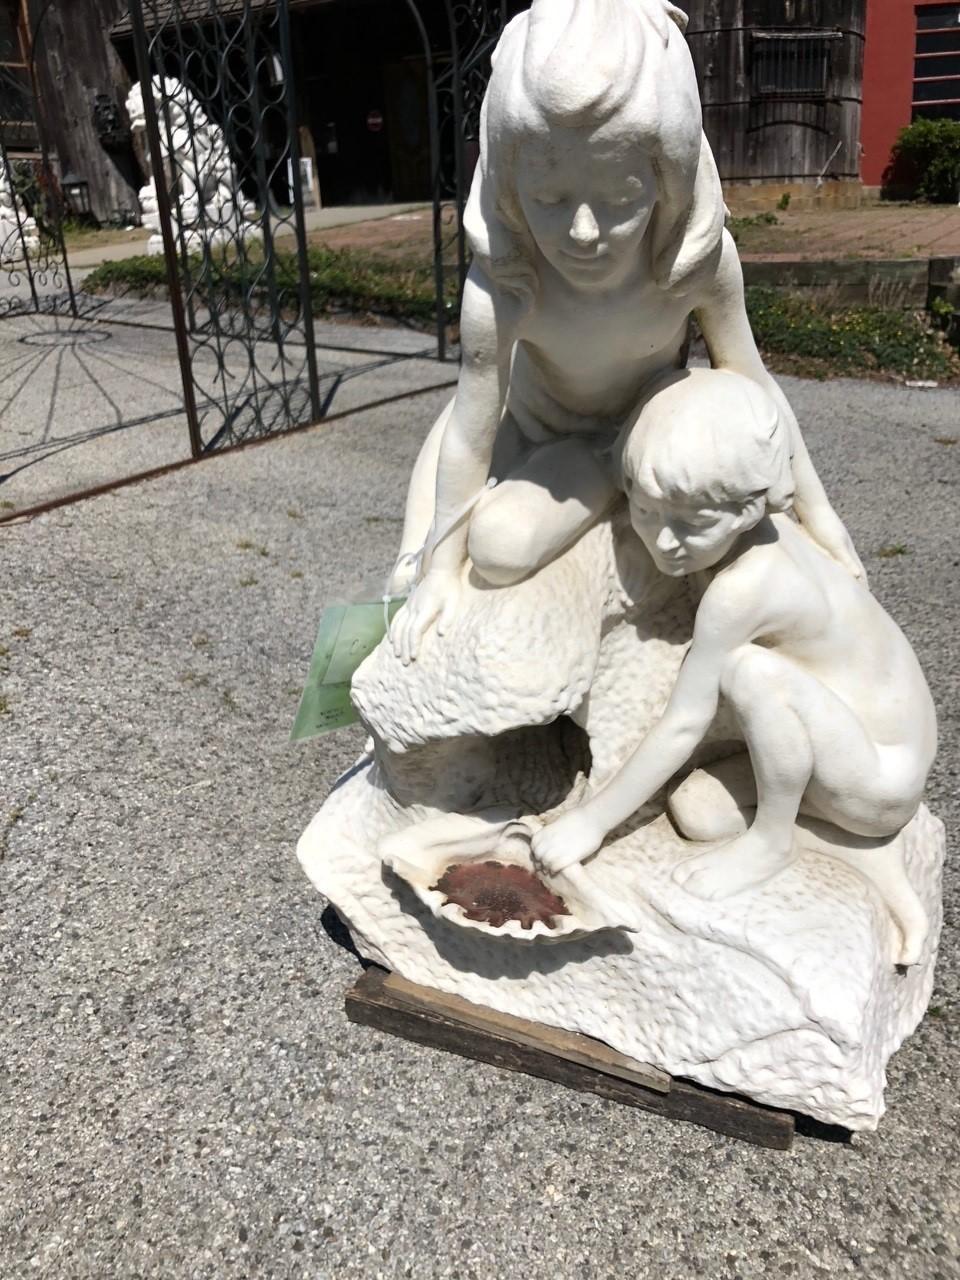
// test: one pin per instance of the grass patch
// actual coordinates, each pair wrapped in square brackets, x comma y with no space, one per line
[828,340]
[894,549]
[737,226]
[79,236]
[809,337]
[340,280]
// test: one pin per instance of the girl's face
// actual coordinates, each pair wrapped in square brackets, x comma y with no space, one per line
[587,200]
[687,536]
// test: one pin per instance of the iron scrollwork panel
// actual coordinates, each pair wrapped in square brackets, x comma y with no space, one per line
[460,82]
[33,260]
[222,93]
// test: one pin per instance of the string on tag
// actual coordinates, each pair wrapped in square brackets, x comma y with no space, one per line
[420,560]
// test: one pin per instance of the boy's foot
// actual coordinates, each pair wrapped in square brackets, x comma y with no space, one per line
[732,868]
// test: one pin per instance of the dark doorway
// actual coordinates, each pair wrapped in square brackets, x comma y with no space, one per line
[364,99]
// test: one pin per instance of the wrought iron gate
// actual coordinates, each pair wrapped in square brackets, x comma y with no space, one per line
[34,272]
[457,89]
[219,110]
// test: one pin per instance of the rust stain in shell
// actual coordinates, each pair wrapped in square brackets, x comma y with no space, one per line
[495,892]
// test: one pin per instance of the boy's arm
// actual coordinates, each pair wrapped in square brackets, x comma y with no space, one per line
[486,337]
[722,317]
[722,625]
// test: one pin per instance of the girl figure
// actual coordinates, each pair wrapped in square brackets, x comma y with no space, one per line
[837,718]
[596,223]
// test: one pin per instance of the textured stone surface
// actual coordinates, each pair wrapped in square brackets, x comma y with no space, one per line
[788,994]
[598,619]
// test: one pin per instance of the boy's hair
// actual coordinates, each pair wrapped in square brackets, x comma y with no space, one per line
[583,63]
[709,435]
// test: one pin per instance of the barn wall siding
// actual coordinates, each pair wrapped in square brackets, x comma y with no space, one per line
[788,137]
[75,62]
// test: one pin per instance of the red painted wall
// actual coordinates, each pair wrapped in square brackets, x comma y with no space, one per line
[887,80]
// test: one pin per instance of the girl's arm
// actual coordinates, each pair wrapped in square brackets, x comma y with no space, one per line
[723,624]
[722,317]
[487,325]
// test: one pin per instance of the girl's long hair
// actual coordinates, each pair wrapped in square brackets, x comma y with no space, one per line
[582,63]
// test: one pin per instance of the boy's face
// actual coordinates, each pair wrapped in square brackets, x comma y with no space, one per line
[687,535]
[587,200]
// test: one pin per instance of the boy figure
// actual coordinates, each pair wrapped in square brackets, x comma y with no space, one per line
[834,709]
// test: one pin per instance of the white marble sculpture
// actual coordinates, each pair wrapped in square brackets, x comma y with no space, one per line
[211,206]
[644,664]
[18,235]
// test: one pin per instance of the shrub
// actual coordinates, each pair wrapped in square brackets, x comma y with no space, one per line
[930,149]
[849,340]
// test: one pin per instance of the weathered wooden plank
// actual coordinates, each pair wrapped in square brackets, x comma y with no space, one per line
[582,1050]
[372,1002]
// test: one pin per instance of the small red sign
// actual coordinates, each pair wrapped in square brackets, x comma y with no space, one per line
[374,121]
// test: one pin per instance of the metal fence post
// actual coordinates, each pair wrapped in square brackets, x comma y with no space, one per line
[166,225]
[303,260]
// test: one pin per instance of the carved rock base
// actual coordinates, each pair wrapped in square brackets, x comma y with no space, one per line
[788,994]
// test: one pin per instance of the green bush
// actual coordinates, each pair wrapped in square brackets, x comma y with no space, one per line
[931,151]
[849,340]
[138,275]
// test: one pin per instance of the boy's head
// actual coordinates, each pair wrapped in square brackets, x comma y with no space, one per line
[703,461]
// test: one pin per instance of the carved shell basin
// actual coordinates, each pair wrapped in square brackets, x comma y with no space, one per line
[485,880]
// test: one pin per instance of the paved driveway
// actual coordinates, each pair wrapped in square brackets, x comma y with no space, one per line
[181,1094]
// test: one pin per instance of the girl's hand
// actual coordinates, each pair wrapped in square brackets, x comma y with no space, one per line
[435,599]
[568,839]
[828,531]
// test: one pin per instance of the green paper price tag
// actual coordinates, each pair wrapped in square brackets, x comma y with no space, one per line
[347,634]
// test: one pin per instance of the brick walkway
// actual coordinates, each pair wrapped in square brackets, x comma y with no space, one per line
[875,231]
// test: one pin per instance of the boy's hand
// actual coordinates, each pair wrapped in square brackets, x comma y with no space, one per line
[434,599]
[568,839]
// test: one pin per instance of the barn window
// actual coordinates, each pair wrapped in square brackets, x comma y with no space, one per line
[790,64]
[936,67]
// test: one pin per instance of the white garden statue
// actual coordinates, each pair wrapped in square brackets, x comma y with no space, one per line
[18,230]
[639,660]
[210,203]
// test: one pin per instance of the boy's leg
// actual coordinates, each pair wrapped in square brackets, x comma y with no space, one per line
[806,746]
[540,510]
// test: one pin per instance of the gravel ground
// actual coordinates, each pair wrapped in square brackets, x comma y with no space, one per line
[182,1095]
[90,401]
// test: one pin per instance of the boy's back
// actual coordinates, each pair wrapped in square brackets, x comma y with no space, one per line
[790,597]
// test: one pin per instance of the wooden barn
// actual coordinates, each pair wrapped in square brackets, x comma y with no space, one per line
[73,101]
[781,83]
